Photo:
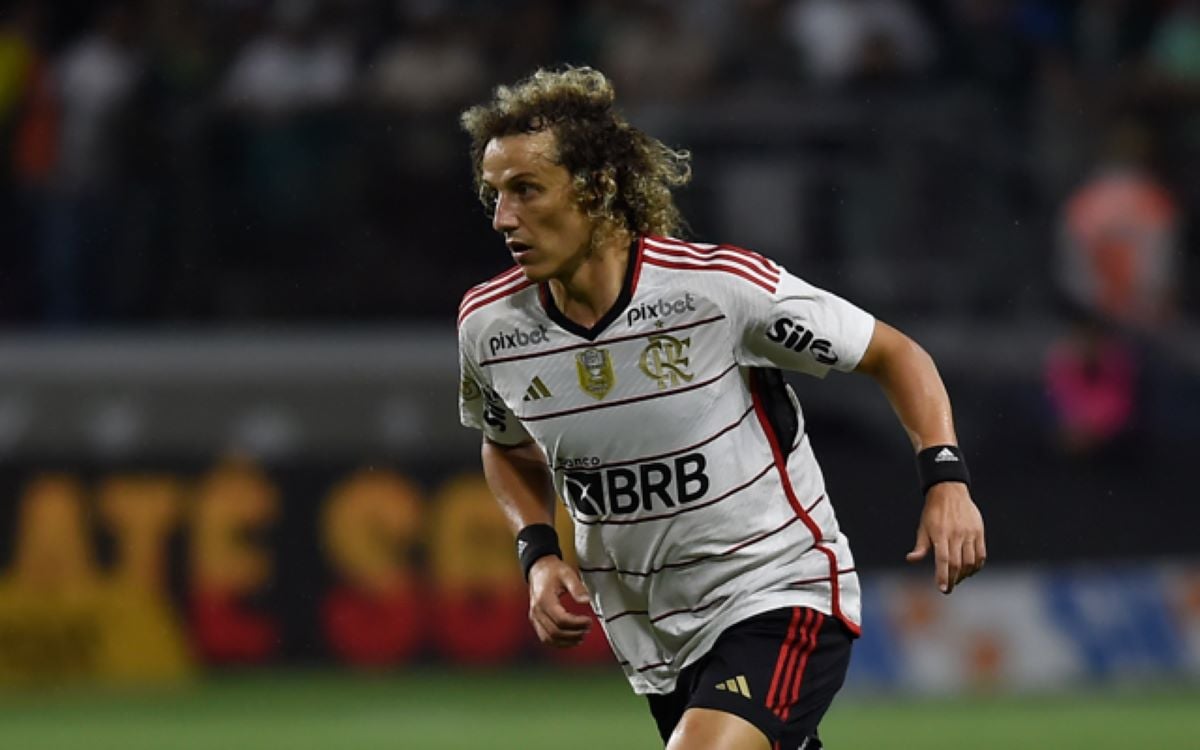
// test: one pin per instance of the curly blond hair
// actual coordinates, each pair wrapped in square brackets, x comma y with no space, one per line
[621,176]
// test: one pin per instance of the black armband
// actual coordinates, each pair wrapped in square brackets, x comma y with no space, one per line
[534,542]
[941,463]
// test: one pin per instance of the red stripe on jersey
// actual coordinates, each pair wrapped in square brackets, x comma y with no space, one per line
[499,281]
[786,481]
[630,400]
[491,285]
[720,252]
[707,254]
[836,590]
[784,653]
[762,260]
[688,509]
[813,632]
[589,344]
[702,266]
[671,613]
[695,560]
[693,610]
[674,256]
[485,301]
[637,266]
[819,579]
[626,613]
[779,461]
[677,451]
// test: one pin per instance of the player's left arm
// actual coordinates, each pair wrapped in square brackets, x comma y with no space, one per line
[950,524]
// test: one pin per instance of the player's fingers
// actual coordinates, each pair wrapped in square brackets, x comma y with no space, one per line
[539,614]
[969,564]
[558,634]
[568,639]
[577,590]
[920,547]
[551,635]
[942,572]
[980,550]
[542,635]
[954,560]
[561,619]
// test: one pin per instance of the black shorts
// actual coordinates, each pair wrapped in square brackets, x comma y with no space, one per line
[778,670]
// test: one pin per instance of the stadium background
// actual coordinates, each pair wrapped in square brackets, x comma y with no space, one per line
[235,504]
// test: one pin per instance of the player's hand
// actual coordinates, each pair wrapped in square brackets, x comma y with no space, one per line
[952,526]
[549,579]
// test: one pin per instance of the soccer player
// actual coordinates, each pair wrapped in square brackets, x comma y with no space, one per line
[637,376]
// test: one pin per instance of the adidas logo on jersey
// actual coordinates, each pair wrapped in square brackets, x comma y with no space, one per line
[536,390]
[944,455]
[735,685]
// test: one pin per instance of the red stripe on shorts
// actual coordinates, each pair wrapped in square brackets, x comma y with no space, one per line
[805,652]
[784,653]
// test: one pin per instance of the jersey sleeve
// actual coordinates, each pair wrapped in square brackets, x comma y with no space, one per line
[480,407]
[798,327]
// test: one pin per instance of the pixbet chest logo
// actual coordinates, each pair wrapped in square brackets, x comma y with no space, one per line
[517,339]
[793,335]
[622,490]
[663,308]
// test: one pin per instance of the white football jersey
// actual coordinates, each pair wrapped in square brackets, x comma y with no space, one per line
[675,445]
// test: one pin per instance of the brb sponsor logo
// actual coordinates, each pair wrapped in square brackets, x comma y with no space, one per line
[662,309]
[623,490]
[794,336]
[517,339]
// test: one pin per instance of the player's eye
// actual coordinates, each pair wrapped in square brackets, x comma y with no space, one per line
[488,197]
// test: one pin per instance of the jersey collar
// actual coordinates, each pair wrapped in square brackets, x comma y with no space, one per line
[632,271]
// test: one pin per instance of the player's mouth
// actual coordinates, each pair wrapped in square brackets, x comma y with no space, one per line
[519,249]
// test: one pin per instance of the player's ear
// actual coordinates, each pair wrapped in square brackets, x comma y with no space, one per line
[604,189]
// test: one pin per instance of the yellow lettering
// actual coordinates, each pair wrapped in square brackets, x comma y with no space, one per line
[234,500]
[470,543]
[141,511]
[54,552]
[368,527]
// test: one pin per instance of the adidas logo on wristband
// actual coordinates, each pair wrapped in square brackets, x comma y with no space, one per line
[945,455]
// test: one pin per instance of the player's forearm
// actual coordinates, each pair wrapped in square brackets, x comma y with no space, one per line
[910,380]
[521,482]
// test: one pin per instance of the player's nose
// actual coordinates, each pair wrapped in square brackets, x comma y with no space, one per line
[504,218]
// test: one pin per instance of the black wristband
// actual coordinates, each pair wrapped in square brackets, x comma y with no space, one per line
[941,463]
[534,542]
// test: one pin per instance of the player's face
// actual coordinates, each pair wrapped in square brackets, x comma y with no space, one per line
[534,205]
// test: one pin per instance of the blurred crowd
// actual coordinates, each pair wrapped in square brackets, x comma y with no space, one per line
[237,162]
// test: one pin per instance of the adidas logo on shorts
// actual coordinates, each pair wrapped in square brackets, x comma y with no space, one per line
[735,685]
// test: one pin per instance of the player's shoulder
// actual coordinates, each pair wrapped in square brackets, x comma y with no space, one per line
[490,297]
[715,265]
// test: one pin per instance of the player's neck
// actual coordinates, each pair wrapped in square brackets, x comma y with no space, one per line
[592,287]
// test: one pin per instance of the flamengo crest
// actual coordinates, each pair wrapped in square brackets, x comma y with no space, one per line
[595,368]
[665,361]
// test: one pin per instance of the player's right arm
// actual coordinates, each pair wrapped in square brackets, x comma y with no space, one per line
[518,475]
[520,480]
